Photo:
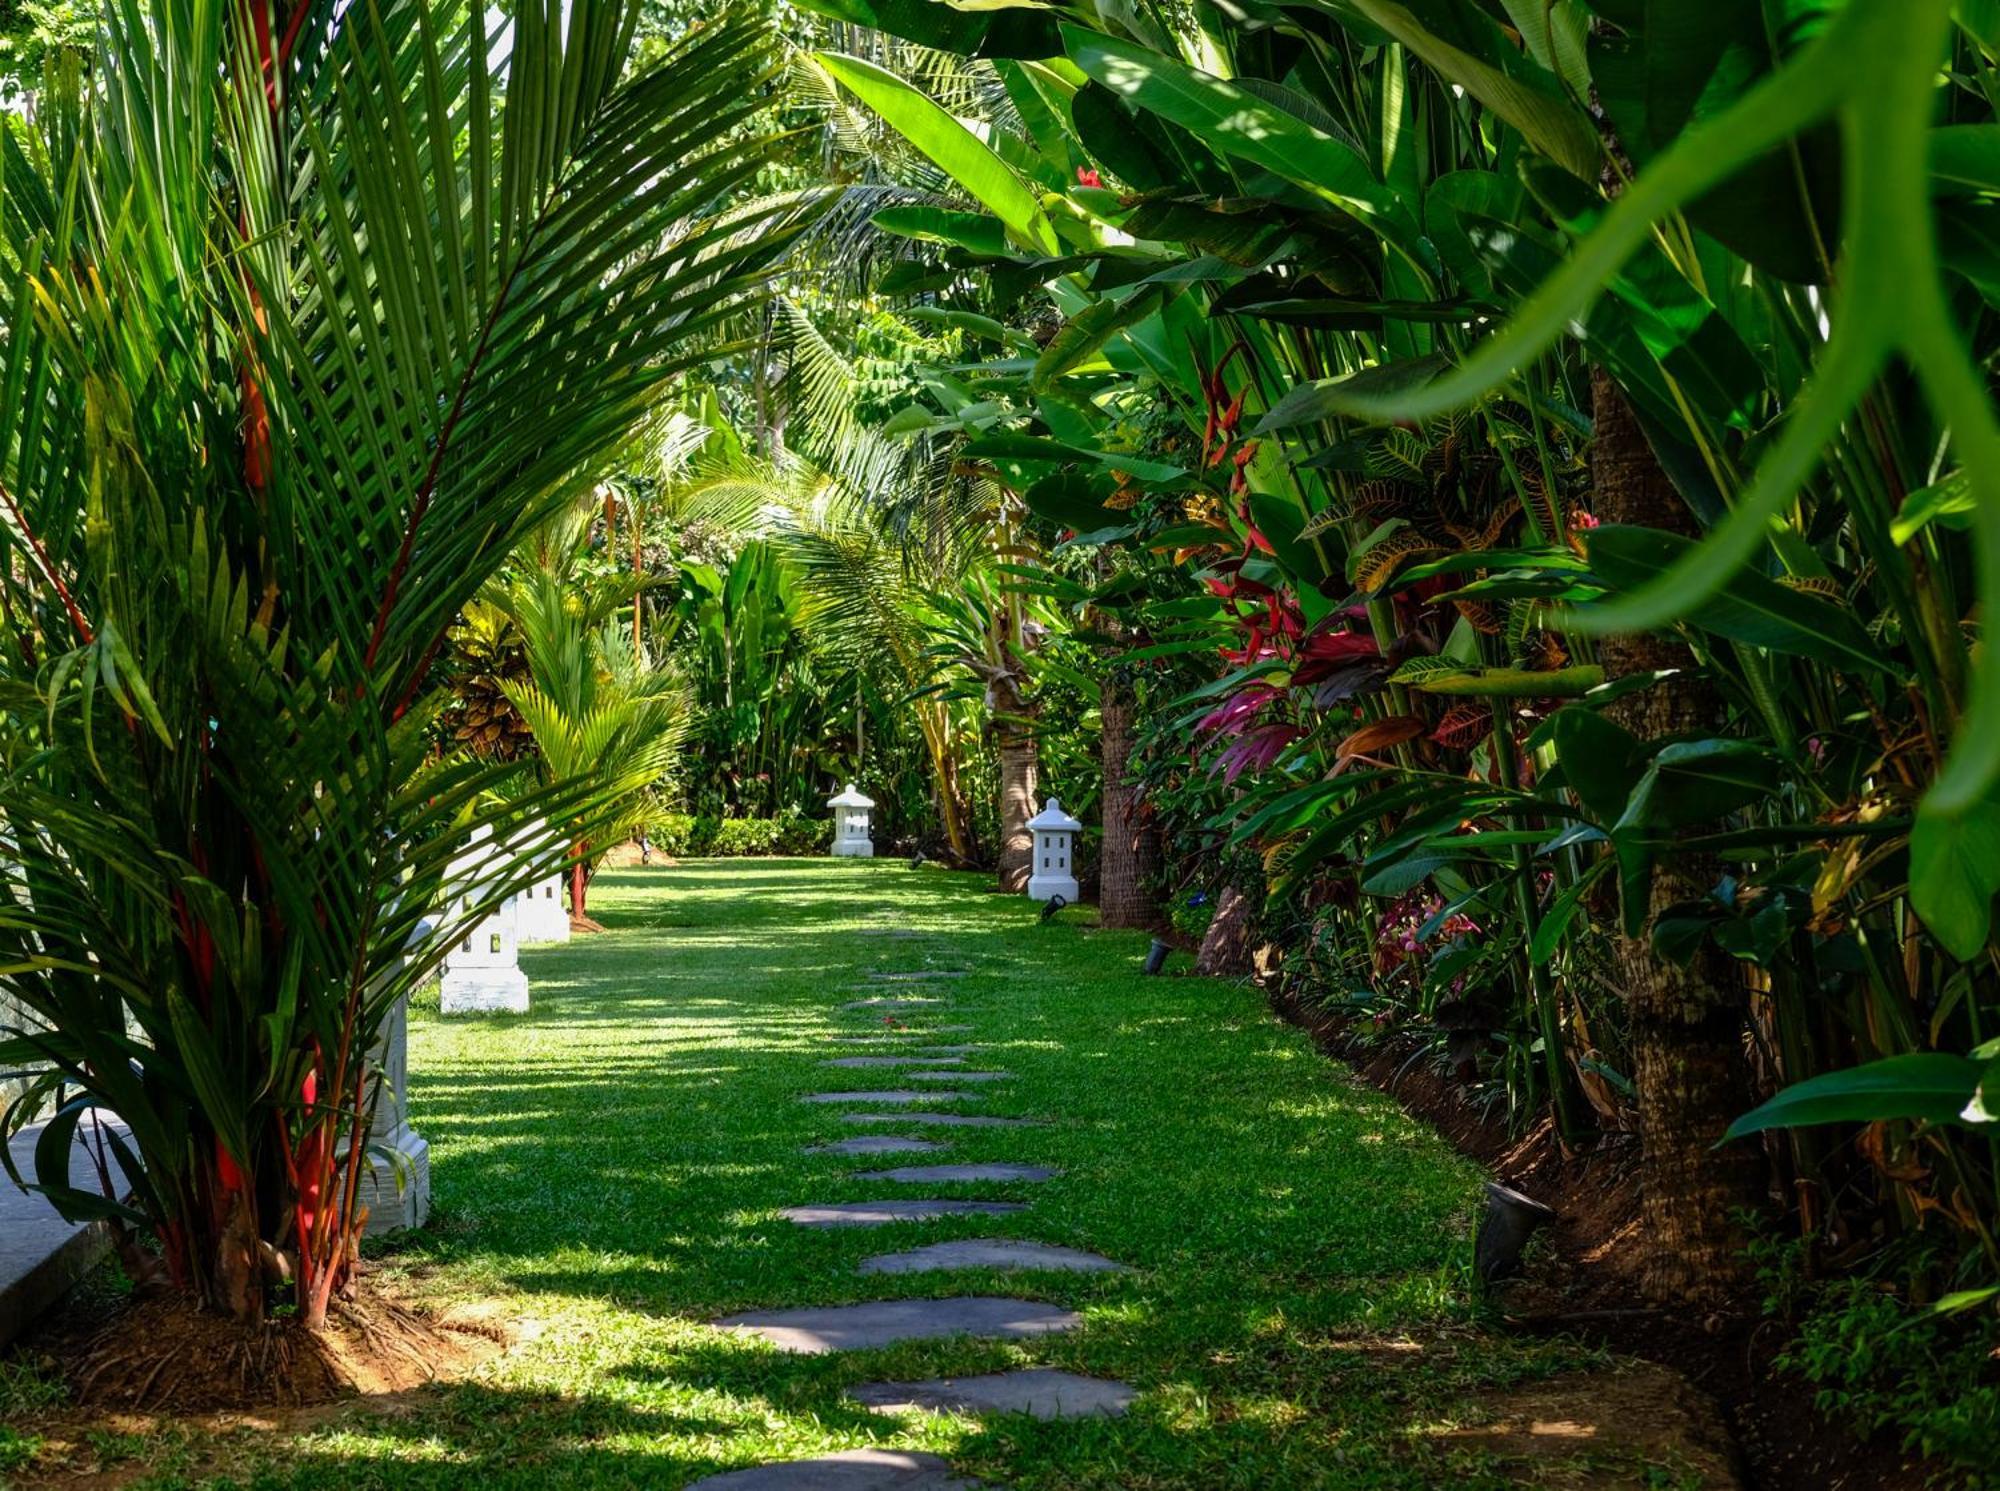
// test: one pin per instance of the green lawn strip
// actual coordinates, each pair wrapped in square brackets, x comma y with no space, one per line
[613,1163]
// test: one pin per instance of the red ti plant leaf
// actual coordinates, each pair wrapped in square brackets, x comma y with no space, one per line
[1256,748]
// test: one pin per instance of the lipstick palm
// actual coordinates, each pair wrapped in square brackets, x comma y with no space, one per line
[308,313]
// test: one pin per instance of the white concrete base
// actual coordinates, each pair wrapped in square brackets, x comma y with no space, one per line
[396,1186]
[853,849]
[483,991]
[1041,887]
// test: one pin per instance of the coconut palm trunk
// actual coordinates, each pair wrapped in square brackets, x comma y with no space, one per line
[1016,749]
[1686,1023]
[1225,946]
[1130,852]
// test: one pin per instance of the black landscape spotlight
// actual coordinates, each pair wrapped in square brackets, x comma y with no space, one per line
[1510,1220]
[1051,906]
[1156,955]
[917,860]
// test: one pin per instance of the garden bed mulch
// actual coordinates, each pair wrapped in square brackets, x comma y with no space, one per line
[1582,1282]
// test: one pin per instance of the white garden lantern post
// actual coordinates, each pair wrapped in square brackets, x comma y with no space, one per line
[1055,841]
[539,913]
[396,1186]
[482,973]
[850,825]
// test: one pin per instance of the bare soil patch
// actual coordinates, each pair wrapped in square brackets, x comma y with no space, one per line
[1606,1431]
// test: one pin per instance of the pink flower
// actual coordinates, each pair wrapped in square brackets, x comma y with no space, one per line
[1087,176]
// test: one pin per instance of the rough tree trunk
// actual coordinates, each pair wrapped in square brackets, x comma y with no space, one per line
[237,1287]
[1225,950]
[579,877]
[1017,806]
[1687,1024]
[1130,848]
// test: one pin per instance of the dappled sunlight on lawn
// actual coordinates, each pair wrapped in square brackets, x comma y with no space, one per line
[611,1168]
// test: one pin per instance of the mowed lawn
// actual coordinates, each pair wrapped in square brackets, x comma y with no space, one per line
[610,1167]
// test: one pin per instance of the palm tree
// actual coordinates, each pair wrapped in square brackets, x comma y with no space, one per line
[311,312]
[598,708]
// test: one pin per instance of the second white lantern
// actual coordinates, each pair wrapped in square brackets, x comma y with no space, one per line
[1055,844]
[850,824]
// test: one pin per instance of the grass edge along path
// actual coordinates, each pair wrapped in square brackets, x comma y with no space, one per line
[610,1169]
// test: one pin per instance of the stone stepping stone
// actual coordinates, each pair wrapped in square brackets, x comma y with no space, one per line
[886,1095]
[850,1470]
[878,1144]
[882,1213]
[944,1120]
[885,1038]
[958,1076]
[943,1051]
[937,1174]
[989,1252]
[897,1002]
[918,977]
[825,1328]
[1039,1392]
[909,1060]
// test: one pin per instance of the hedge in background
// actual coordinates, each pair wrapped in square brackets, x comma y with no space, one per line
[684,836]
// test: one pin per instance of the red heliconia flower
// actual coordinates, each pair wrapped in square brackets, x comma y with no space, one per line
[1087,176]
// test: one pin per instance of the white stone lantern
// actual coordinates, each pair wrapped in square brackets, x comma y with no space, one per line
[850,824]
[396,1186]
[539,912]
[1055,839]
[482,972]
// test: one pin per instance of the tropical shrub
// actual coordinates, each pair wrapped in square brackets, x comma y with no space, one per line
[682,836]
[1564,437]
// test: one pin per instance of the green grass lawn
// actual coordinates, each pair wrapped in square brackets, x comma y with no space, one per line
[610,1167]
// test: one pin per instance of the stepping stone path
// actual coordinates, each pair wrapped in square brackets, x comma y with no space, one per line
[1039,1392]
[816,1331]
[944,1120]
[881,1213]
[877,1144]
[918,1175]
[850,1470]
[989,1252]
